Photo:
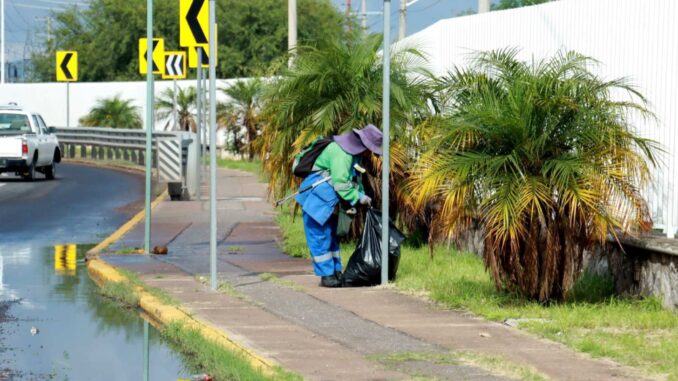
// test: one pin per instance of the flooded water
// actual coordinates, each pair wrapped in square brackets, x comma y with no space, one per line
[54,324]
[58,327]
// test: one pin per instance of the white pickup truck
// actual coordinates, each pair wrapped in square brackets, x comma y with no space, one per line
[27,145]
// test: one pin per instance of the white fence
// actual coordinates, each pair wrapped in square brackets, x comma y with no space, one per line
[637,39]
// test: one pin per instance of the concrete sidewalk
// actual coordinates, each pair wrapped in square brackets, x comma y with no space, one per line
[322,334]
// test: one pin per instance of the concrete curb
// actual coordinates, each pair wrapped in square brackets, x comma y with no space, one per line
[102,272]
[124,229]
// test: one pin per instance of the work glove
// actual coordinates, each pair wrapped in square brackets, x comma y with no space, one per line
[365,200]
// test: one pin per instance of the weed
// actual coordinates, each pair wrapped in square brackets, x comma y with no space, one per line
[281,282]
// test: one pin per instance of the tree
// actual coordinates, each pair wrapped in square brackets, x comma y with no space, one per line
[113,113]
[186,107]
[541,157]
[333,88]
[251,38]
[244,101]
[508,4]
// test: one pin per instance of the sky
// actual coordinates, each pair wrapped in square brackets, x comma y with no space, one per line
[26,27]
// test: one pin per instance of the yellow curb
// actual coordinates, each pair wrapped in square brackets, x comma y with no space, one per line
[163,314]
[124,229]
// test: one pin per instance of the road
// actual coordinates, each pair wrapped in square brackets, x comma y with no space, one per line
[78,334]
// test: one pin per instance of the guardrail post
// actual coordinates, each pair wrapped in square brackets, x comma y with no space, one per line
[109,153]
[117,153]
[71,150]
[142,158]
[125,154]
[101,153]
[133,156]
[83,151]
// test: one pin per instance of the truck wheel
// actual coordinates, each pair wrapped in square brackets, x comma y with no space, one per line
[29,175]
[50,171]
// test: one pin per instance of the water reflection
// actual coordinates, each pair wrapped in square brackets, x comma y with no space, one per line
[81,336]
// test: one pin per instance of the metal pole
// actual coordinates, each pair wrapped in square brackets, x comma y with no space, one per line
[199,124]
[386,96]
[2,41]
[149,124]
[403,19]
[146,353]
[213,147]
[291,30]
[483,6]
[175,109]
[363,11]
[68,104]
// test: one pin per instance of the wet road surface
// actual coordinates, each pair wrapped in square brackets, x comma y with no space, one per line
[54,325]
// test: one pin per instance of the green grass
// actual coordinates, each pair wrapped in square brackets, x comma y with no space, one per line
[635,332]
[120,292]
[254,166]
[281,282]
[161,295]
[206,356]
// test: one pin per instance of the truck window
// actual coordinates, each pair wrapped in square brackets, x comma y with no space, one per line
[37,124]
[11,124]
[42,122]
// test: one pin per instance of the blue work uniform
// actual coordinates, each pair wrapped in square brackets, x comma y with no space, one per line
[318,206]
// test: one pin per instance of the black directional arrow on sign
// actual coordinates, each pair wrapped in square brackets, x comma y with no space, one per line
[64,65]
[192,20]
[155,66]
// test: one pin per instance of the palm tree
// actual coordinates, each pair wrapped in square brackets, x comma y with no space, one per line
[244,108]
[114,113]
[544,159]
[186,105]
[333,88]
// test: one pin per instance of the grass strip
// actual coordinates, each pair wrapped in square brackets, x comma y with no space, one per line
[199,353]
[632,331]
[203,354]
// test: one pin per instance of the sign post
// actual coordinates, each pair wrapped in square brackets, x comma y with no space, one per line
[67,71]
[149,128]
[197,31]
[213,146]
[199,127]
[386,112]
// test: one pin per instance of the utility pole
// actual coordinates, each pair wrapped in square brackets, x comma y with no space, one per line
[363,11]
[348,14]
[483,6]
[291,30]
[2,41]
[403,19]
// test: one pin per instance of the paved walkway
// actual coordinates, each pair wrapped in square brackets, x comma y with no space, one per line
[322,334]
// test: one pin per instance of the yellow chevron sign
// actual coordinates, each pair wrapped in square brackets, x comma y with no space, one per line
[66,66]
[158,55]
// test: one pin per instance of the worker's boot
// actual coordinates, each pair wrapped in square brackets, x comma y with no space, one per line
[330,281]
[339,276]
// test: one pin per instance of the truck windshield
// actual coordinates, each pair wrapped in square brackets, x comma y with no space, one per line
[14,124]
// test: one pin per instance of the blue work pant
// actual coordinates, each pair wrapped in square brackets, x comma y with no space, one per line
[324,246]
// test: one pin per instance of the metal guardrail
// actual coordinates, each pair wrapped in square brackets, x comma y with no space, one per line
[130,145]
[108,143]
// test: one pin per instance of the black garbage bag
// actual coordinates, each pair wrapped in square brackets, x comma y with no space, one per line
[364,266]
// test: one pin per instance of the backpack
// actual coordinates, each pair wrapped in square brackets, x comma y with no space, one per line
[304,160]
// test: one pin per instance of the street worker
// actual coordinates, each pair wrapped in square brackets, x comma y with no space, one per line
[333,181]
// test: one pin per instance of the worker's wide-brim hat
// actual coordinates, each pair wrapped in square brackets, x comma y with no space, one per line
[357,141]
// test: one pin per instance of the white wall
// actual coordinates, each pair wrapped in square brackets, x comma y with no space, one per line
[49,99]
[631,38]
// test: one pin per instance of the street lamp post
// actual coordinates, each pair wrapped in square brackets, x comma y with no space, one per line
[386,114]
